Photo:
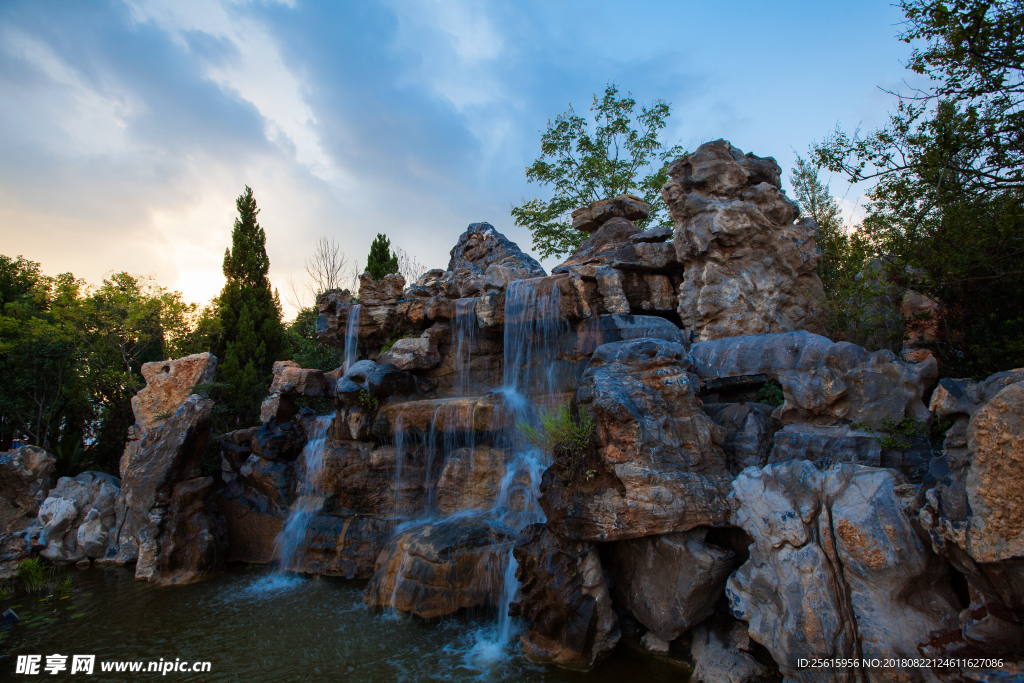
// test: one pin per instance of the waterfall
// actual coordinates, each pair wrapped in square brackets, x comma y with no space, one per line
[352,336]
[534,330]
[309,497]
[465,326]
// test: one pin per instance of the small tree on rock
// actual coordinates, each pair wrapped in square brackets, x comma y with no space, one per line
[623,154]
[381,261]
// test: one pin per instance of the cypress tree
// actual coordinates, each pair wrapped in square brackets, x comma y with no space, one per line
[252,335]
[381,260]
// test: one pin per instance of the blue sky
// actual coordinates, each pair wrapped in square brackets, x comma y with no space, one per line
[127,129]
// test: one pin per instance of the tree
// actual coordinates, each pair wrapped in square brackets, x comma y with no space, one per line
[584,166]
[381,261]
[947,211]
[251,333]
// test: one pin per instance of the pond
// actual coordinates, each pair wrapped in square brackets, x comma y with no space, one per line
[255,625]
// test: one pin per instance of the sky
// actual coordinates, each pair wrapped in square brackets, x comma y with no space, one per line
[128,128]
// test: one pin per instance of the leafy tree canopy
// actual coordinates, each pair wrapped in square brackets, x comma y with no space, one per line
[582,164]
[946,215]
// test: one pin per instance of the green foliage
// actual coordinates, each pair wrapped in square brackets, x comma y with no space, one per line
[946,217]
[771,394]
[250,333]
[6,590]
[368,400]
[395,336]
[897,434]
[568,436]
[381,261]
[305,349]
[33,575]
[622,154]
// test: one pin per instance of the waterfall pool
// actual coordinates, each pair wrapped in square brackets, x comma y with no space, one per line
[255,625]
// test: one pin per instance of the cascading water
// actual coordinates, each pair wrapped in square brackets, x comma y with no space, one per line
[464,326]
[352,336]
[534,330]
[309,497]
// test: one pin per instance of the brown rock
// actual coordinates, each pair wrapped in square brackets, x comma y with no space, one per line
[670,582]
[345,546]
[25,477]
[191,539]
[13,549]
[648,292]
[563,596]
[416,353]
[749,268]
[593,216]
[168,384]
[151,468]
[658,465]
[292,380]
[471,479]
[439,568]
[251,534]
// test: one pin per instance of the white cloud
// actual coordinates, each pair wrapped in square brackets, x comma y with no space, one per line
[257,73]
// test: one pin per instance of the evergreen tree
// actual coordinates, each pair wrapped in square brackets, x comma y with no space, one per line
[381,260]
[251,334]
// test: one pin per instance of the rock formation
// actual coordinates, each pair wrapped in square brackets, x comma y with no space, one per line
[25,477]
[837,568]
[166,521]
[564,598]
[77,517]
[659,465]
[749,263]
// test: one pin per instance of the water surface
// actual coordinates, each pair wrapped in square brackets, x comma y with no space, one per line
[255,625]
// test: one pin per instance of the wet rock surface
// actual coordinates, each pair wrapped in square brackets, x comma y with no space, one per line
[439,568]
[564,598]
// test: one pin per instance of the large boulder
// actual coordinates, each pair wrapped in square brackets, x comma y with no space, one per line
[25,477]
[291,379]
[413,353]
[837,568]
[718,657]
[160,469]
[438,568]
[658,465]
[481,246]
[564,598]
[168,384]
[669,583]
[749,263]
[342,545]
[823,382]
[78,515]
[593,216]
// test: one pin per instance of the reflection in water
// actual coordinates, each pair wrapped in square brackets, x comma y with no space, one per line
[256,625]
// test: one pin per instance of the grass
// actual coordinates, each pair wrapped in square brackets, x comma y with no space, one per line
[568,436]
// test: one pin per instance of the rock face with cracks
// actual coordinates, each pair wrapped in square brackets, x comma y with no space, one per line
[749,263]
[25,477]
[836,569]
[168,384]
[564,598]
[660,466]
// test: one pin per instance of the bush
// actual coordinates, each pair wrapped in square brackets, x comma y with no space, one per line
[568,436]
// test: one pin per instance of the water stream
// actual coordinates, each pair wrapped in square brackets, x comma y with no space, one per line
[352,336]
[309,496]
